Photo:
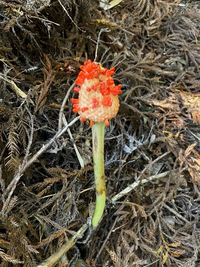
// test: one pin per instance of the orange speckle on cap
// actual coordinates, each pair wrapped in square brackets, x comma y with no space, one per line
[95,103]
[98,95]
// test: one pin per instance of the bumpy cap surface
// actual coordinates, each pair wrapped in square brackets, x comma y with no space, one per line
[98,95]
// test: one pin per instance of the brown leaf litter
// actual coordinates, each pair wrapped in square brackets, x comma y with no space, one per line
[152,148]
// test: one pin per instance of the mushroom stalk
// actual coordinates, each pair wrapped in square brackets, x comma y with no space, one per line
[98,102]
[98,130]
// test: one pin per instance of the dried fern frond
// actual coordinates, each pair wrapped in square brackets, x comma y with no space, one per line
[16,133]
[9,258]
[50,238]
[13,144]
[9,206]
[41,97]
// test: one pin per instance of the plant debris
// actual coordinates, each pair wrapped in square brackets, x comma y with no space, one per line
[152,147]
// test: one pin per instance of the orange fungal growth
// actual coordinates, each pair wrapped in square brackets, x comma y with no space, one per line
[98,95]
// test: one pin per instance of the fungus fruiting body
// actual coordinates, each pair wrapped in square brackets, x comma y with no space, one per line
[98,102]
[98,95]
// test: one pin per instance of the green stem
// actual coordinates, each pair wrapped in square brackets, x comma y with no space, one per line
[98,130]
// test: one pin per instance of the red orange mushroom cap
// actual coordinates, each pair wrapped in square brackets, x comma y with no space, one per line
[98,95]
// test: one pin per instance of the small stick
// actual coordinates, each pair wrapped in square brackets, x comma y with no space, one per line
[132,186]
[25,164]
[135,184]
[53,259]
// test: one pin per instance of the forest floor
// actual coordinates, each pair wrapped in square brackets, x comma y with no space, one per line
[152,147]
